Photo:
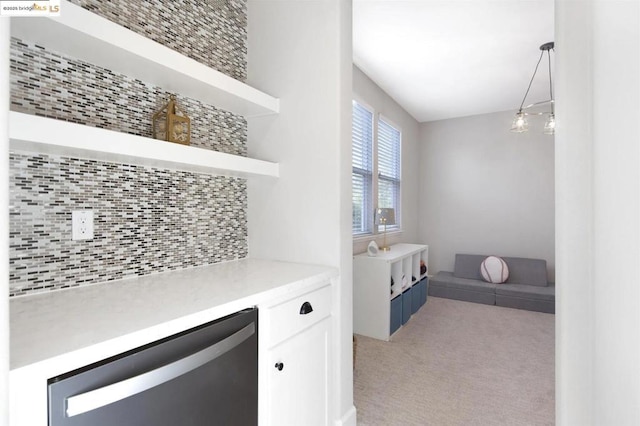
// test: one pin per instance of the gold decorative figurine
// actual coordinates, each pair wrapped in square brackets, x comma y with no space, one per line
[171,124]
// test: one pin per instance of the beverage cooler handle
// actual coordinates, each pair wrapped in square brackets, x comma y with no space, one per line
[100,397]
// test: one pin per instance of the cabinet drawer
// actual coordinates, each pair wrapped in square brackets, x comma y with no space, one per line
[285,319]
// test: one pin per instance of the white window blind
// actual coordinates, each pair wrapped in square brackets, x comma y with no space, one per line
[389,142]
[362,169]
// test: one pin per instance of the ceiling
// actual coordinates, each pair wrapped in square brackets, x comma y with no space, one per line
[441,59]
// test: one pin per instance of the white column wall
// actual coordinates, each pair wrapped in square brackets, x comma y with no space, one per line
[616,179]
[574,216]
[300,51]
[346,411]
[292,54]
[598,212]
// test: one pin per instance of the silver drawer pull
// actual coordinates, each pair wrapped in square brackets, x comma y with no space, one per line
[109,394]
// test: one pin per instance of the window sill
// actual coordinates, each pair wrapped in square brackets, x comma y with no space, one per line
[365,237]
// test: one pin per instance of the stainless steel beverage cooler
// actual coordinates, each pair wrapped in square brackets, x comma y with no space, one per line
[204,376]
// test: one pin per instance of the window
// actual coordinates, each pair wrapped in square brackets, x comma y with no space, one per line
[389,168]
[374,154]
[362,166]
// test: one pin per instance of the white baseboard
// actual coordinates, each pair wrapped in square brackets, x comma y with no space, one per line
[348,419]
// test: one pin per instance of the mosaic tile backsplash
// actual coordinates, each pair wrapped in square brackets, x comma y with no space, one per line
[213,32]
[50,85]
[146,220]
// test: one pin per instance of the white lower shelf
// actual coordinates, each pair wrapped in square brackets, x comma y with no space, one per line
[49,136]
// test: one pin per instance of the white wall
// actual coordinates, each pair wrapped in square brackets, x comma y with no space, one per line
[4,224]
[300,51]
[598,212]
[346,411]
[486,190]
[574,217]
[365,90]
[293,54]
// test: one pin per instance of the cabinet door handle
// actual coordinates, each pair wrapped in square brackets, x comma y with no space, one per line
[279,366]
[306,308]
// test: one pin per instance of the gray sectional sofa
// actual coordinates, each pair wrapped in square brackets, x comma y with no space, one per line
[527,286]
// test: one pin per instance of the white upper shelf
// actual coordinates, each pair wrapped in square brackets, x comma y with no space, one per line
[49,136]
[91,38]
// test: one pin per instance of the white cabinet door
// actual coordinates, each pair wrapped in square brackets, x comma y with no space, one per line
[299,378]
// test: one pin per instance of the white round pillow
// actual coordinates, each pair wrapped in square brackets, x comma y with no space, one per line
[494,270]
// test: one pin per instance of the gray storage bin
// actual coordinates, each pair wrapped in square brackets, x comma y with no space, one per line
[406,305]
[424,290]
[396,314]
[415,298]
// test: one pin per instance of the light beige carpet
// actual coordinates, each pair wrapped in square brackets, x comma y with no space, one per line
[459,363]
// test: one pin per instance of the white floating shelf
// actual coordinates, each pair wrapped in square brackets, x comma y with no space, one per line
[86,36]
[49,136]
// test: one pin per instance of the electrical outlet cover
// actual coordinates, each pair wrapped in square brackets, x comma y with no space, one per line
[82,225]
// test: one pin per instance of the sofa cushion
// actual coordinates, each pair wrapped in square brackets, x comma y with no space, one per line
[444,284]
[468,266]
[546,306]
[528,291]
[527,271]
[447,279]
[521,270]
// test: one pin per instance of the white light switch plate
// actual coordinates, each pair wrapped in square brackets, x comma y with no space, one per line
[82,225]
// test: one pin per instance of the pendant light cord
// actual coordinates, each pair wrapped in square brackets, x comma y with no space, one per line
[532,77]
[550,82]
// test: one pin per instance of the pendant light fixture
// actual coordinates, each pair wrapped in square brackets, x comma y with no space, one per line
[520,123]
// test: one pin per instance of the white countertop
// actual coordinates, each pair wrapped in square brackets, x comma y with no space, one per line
[57,332]
[93,322]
